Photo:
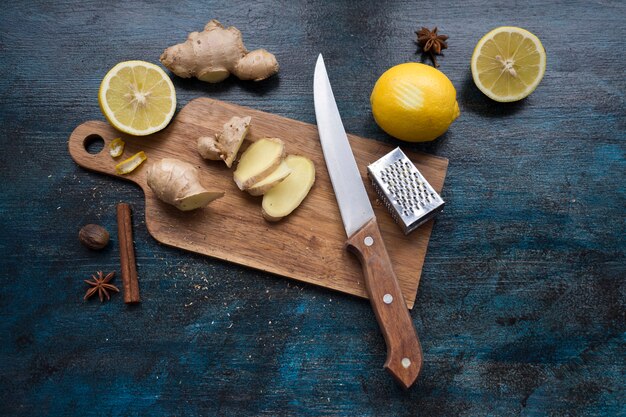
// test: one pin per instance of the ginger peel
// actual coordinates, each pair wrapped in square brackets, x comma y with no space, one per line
[215,53]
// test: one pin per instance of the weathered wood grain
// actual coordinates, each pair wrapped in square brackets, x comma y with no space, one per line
[308,245]
[520,308]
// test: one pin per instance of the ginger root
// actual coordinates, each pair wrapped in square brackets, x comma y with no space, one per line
[215,53]
[209,148]
[176,182]
[226,144]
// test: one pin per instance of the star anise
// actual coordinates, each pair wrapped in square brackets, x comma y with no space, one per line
[431,42]
[100,284]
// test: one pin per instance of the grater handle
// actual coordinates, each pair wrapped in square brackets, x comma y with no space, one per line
[404,353]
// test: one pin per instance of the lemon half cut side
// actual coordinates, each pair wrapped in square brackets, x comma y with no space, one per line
[508,63]
[137,98]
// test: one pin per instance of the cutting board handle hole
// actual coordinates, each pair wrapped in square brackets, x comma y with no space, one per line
[94,144]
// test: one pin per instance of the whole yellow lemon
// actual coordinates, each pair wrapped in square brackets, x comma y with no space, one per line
[414,102]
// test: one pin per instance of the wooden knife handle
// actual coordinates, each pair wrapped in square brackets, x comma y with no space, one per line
[404,353]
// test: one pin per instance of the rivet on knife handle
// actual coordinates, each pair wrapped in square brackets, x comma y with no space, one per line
[404,353]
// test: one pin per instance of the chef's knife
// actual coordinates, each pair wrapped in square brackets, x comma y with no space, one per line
[404,353]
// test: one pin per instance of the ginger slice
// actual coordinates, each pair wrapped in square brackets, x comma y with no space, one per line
[287,195]
[232,137]
[176,182]
[271,180]
[258,161]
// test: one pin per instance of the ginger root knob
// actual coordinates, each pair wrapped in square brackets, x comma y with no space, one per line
[215,53]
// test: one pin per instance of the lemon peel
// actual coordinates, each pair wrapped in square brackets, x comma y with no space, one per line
[414,102]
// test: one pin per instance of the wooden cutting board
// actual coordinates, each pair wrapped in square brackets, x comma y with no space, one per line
[308,245]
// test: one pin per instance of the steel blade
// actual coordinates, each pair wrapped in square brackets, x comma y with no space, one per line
[354,204]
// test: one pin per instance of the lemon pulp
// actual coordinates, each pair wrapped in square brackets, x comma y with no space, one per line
[137,98]
[508,63]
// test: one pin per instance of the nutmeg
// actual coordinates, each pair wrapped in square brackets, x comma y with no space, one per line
[93,236]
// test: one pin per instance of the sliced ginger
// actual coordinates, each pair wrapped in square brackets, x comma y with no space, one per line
[176,182]
[258,161]
[226,144]
[288,194]
[262,169]
[215,53]
[271,180]
[232,137]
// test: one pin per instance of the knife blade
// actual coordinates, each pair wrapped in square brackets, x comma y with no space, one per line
[404,353]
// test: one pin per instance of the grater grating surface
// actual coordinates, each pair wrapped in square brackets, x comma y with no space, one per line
[410,199]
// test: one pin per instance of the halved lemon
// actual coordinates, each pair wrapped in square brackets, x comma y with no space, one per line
[137,98]
[508,63]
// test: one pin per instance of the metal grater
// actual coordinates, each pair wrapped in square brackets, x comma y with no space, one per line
[405,192]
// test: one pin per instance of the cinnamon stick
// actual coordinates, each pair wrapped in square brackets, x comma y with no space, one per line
[127,254]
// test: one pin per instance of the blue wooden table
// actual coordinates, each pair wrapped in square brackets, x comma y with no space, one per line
[521,303]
